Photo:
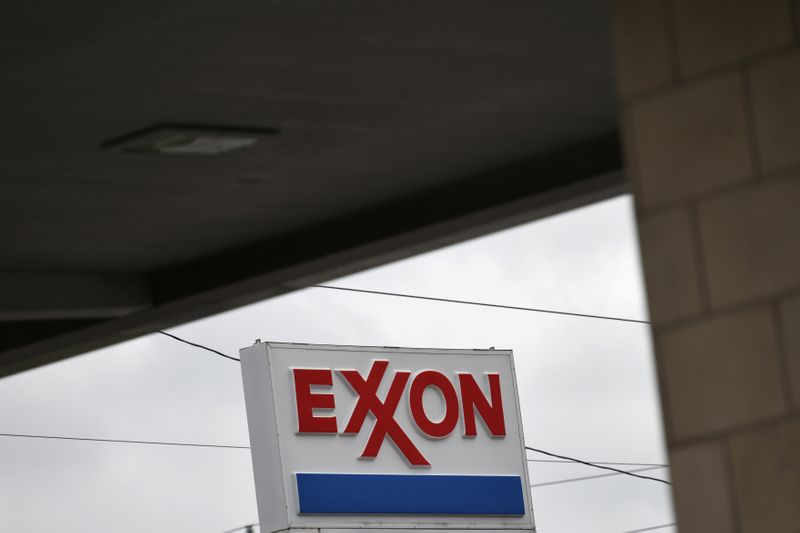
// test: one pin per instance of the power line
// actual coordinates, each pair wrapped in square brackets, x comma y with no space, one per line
[596,465]
[585,478]
[650,528]
[482,304]
[234,447]
[427,298]
[562,457]
[212,350]
[247,528]
[596,462]
[125,441]
[653,528]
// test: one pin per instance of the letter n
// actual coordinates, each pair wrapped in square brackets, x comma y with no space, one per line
[473,398]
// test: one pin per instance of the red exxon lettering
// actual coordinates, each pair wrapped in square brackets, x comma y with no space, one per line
[432,378]
[472,398]
[474,402]
[383,411]
[307,400]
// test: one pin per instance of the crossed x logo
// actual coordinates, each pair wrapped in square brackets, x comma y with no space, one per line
[383,411]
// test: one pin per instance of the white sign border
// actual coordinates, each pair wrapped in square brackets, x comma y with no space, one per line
[271,460]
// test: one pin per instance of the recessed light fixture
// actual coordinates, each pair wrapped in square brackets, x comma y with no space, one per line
[189,140]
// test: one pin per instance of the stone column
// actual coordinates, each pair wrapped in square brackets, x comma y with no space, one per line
[709,96]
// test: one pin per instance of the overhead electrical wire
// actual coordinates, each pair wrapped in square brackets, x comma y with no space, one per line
[587,463]
[125,441]
[652,528]
[481,304]
[562,457]
[248,527]
[235,447]
[596,462]
[431,299]
[586,478]
[212,350]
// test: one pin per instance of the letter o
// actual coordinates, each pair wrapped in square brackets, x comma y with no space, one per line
[431,378]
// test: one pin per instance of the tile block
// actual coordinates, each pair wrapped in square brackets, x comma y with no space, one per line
[670,265]
[790,319]
[691,140]
[642,47]
[766,467]
[775,85]
[701,489]
[713,33]
[751,240]
[722,373]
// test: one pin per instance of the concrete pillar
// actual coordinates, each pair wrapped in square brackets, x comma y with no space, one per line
[710,111]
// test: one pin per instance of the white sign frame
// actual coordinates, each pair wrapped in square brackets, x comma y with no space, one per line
[276,449]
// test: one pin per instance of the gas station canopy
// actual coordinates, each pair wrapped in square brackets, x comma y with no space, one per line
[166,160]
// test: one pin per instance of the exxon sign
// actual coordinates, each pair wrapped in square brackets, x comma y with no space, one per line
[347,437]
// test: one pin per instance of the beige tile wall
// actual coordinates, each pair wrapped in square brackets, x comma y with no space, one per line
[710,106]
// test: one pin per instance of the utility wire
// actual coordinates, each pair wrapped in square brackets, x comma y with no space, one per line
[585,478]
[248,527]
[427,298]
[125,441]
[596,462]
[212,350]
[596,465]
[650,528]
[563,457]
[482,304]
[653,528]
[234,447]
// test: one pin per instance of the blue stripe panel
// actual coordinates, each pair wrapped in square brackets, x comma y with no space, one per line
[410,494]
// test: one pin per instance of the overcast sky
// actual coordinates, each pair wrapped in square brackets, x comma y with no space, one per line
[587,387]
